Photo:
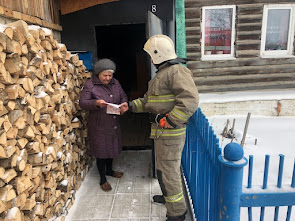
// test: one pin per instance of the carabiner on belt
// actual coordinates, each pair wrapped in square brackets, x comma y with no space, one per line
[158,124]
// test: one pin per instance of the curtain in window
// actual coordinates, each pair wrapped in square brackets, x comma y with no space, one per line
[277,30]
[218,31]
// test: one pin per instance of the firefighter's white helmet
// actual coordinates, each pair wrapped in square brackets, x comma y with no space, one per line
[160,48]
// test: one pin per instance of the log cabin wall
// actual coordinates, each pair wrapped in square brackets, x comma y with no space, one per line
[248,71]
[47,10]
[43,13]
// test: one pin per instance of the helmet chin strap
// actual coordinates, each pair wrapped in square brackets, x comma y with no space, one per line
[173,61]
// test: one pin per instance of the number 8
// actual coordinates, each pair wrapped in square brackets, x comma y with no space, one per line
[154,8]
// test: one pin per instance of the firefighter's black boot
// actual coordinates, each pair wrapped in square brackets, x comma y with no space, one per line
[176,218]
[158,199]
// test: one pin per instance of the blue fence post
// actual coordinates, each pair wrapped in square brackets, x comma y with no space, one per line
[232,164]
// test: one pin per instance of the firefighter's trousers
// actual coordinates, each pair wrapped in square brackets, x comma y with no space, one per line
[168,159]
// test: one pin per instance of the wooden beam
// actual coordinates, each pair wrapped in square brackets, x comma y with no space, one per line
[69,6]
[28,18]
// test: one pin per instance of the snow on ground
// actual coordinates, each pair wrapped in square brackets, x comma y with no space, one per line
[265,135]
[248,96]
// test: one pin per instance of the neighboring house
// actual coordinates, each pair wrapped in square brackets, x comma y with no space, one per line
[241,45]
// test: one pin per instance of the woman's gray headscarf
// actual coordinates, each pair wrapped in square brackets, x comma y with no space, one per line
[103,65]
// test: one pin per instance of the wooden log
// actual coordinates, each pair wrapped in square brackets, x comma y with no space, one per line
[13,214]
[2,57]
[14,115]
[20,123]
[7,30]
[38,209]
[21,26]
[36,159]
[18,36]
[46,45]
[33,147]
[24,49]
[21,184]
[27,132]
[57,54]
[13,46]
[13,63]
[22,160]
[36,61]
[3,138]
[2,171]
[2,206]
[7,193]
[9,162]
[10,105]
[12,133]
[8,175]
[22,142]
[30,202]
[2,152]
[20,200]
[3,39]
[75,59]
[34,31]
[5,77]
[36,172]
[27,84]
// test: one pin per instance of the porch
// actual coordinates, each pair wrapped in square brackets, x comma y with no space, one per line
[130,198]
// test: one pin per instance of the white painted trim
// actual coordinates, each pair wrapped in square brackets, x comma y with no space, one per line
[278,53]
[218,57]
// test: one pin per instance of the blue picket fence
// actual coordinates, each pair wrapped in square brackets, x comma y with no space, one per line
[215,181]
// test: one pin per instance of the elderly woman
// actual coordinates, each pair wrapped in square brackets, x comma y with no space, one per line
[104,128]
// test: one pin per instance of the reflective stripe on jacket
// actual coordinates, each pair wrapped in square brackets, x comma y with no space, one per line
[171,91]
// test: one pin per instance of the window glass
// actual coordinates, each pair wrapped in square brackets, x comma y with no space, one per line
[277,30]
[218,31]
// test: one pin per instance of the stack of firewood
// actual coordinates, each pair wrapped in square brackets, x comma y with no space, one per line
[43,153]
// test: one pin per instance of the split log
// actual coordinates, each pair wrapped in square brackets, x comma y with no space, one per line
[13,63]
[21,143]
[3,38]
[20,200]
[7,193]
[30,202]
[13,214]
[27,84]
[5,77]
[9,175]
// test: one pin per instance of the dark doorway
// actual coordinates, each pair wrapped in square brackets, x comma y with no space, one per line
[124,45]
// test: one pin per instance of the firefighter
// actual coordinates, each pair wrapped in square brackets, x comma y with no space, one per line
[172,97]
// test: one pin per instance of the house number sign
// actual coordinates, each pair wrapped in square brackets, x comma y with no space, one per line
[154,8]
[161,8]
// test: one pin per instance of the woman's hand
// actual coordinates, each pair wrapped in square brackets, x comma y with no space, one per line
[101,103]
[123,108]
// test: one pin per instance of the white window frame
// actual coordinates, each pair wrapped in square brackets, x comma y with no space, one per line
[278,53]
[230,56]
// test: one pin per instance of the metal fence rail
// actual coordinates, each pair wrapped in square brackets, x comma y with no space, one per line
[215,180]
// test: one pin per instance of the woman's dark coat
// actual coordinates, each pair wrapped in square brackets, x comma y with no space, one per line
[104,130]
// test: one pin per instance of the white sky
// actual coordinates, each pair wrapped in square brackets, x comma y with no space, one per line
[275,135]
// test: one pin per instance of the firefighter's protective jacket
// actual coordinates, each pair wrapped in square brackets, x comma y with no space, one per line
[172,91]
